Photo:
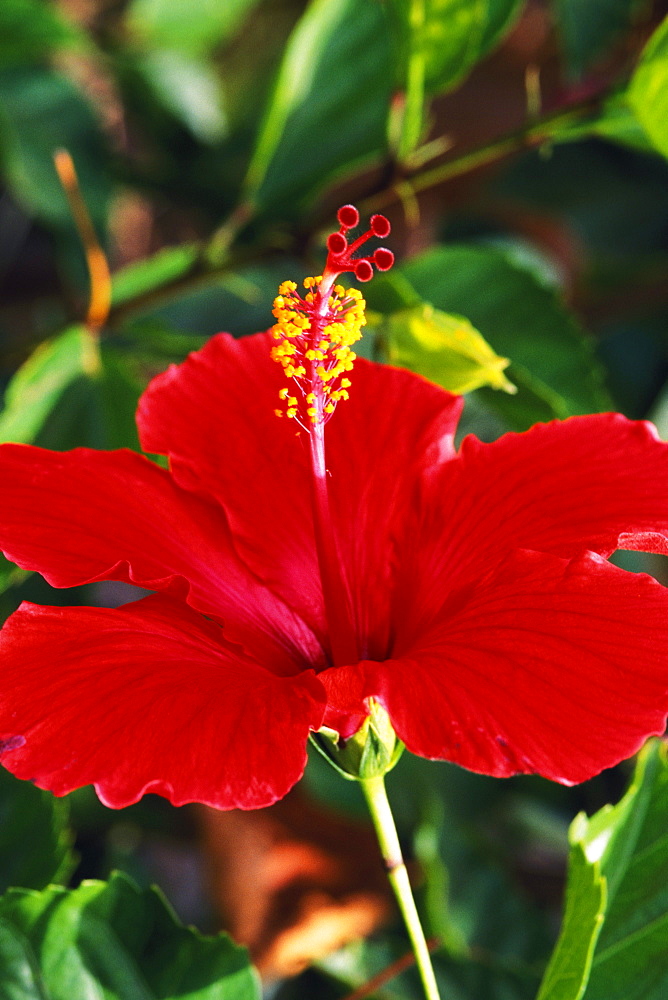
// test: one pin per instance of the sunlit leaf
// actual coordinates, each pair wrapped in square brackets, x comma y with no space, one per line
[568,971]
[445,38]
[631,841]
[189,86]
[36,388]
[552,363]
[613,940]
[191,28]
[648,90]
[35,842]
[112,941]
[615,120]
[150,275]
[444,348]
[30,30]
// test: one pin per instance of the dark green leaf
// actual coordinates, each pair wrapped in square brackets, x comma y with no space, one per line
[34,838]
[648,90]
[552,364]
[40,112]
[329,103]
[588,29]
[111,941]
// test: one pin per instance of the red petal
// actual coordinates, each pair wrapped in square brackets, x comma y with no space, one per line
[214,416]
[86,515]
[589,483]
[554,667]
[149,698]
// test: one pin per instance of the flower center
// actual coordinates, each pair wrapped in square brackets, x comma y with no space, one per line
[314,334]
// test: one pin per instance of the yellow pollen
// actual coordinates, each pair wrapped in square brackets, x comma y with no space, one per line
[313,345]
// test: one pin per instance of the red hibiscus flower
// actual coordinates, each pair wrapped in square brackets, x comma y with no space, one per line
[467,592]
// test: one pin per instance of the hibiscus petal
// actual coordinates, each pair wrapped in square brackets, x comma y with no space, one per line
[85,515]
[214,416]
[148,698]
[588,483]
[553,667]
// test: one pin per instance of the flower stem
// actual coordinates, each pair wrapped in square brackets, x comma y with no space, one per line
[386,831]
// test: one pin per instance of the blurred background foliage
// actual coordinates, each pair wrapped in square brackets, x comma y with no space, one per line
[519,148]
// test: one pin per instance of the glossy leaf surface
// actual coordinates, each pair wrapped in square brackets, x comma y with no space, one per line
[112,941]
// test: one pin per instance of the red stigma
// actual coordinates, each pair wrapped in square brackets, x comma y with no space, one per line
[341,254]
[348,216]
[380,226]
[363,270]
[383,259]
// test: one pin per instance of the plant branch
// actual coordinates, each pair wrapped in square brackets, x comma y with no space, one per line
[388,839]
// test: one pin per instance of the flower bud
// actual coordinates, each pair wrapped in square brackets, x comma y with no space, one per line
[370,753]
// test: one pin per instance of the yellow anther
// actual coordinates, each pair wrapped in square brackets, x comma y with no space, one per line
[329,356]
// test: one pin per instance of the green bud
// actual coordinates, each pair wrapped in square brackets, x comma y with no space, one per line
[370,753]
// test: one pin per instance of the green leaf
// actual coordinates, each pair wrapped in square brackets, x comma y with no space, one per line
[30,30]
[189,86]
[648,89]
[40,112]
[111,941]
[443,348]
[447,37]
[36,388]
[616,121]
[631,840]
[152,274]
[329,103]
[569,966]
[588,29]
[35,842]
[193,29]
[624,956]
[552,363]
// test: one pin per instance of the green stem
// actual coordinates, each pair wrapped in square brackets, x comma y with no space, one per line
[386,831]
[527,137]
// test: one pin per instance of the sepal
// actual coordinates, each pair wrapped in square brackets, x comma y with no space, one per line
[370,753]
